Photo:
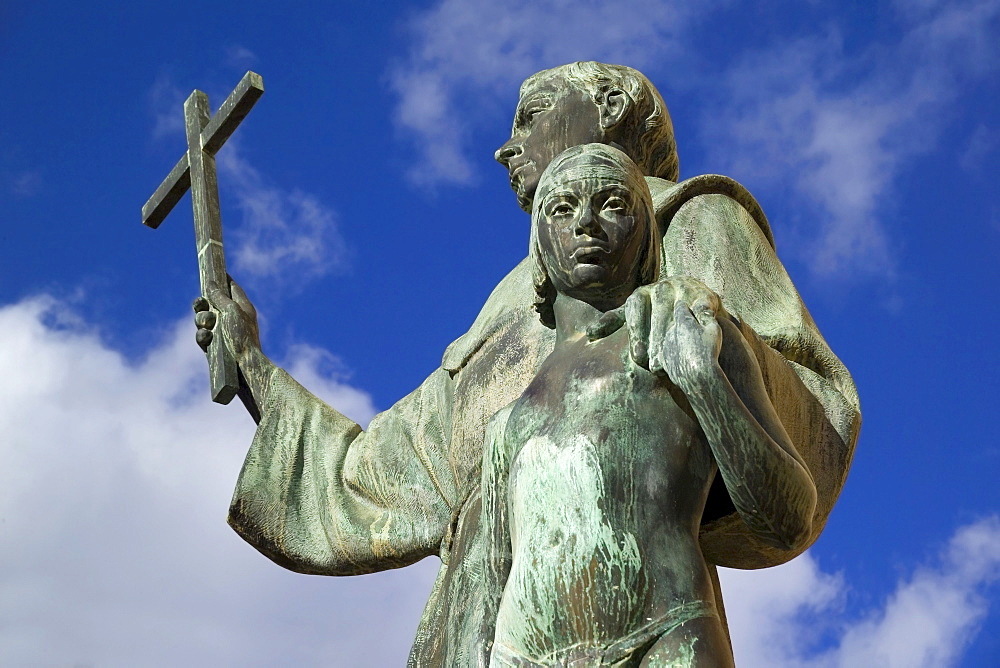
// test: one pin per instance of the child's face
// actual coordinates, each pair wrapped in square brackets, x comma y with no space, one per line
[592,232]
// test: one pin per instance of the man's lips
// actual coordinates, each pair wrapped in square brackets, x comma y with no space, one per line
[515,172]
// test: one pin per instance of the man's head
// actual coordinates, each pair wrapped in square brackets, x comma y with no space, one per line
[594,236]
[582,103]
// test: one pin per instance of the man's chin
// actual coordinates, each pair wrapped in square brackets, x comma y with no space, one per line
[525,196]
[525,192]
[524,202]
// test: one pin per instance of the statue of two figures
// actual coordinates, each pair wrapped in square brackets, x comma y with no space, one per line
[642,399]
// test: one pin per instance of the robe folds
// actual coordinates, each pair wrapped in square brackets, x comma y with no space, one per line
[319,495]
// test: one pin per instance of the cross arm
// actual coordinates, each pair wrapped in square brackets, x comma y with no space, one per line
[168,194]
[219,129]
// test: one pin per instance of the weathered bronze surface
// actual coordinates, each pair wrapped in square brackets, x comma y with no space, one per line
[595,479]
[196,170]
[719,358]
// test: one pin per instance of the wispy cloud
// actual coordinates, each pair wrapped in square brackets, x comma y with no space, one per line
[166,104]
[238,56]
[481,50]
[780,616]
[982,142]
[115,482]
[828,127]
[285,232]
[839,127]
[26,184]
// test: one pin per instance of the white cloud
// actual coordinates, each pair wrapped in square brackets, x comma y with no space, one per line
[115,480]
[283,232]
[766,609]
[482,50]
[778,616]
[239,56]
[166,104]
[840,128]
[114,485]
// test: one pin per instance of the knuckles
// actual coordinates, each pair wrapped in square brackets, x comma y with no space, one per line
[203,337]
[205,319]
[668,292]
[675,325]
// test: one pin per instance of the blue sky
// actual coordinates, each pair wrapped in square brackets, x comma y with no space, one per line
[365,216]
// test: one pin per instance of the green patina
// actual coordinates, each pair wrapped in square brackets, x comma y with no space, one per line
[318,494]
[595,479]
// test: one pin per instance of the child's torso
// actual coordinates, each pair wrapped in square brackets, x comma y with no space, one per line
[607,484]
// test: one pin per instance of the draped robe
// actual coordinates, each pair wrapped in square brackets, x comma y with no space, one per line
[319,495]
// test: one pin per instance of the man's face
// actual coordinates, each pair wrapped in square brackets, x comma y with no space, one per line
[592,233]
[551,117]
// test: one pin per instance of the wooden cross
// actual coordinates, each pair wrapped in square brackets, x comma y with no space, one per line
[196,170]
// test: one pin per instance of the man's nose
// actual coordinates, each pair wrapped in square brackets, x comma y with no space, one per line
[510,149]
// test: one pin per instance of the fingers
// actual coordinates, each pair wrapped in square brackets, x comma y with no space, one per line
[608,324]
[204,320]
[204,338]
[637,314]
[684,318]
[241,299]
[217,297]
[704,309]
[697,332]
[661,321]
[225,311]
[667,314]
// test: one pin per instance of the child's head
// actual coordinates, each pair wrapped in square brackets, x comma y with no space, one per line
[593,232]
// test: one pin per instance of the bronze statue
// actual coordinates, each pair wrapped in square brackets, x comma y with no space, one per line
[319,495]
[595,479]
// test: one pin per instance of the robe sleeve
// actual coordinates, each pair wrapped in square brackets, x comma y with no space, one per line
[495,524]
[319,495]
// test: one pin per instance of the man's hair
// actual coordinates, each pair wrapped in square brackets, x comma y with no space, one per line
[654,148]
[597,158]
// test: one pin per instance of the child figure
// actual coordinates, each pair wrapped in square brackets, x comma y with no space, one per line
[594,480]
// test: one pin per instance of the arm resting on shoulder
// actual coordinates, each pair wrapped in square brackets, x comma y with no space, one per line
[767,479]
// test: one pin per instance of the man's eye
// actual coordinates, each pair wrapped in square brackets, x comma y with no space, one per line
[615,204]
[562,209]
[529,113]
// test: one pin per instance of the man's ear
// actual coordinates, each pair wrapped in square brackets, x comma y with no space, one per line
[613,105]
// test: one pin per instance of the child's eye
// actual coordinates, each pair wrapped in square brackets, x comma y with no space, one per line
[615,204]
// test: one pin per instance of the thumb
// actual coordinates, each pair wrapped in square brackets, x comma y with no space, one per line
[241,299]
[638,311]
[607,324]
[217,297]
